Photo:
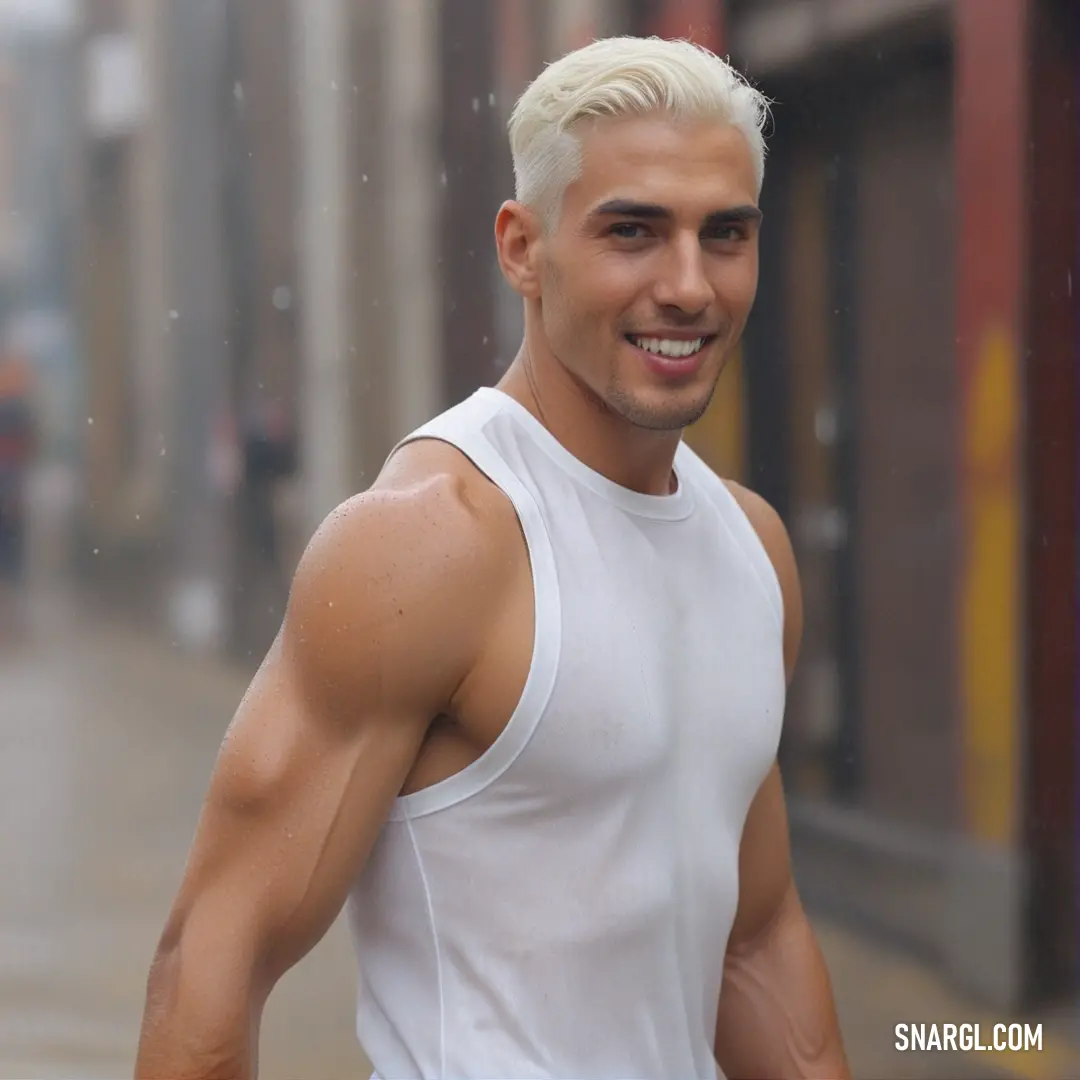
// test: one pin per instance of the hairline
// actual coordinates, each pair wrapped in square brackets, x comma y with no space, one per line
[550,208]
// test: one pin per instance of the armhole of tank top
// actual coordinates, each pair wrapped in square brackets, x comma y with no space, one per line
[741,529]
[756,553]
[547,639]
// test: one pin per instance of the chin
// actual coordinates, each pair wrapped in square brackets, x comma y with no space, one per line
[664,410]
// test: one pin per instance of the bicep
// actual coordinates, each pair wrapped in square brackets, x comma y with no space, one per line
[380,628]
[295,803]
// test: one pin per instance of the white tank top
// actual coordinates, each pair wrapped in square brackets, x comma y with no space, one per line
[561,908]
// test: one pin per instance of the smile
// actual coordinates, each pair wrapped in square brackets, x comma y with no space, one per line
[674,348]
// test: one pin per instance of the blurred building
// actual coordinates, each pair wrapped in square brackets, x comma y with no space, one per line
[911,410]
[286,263]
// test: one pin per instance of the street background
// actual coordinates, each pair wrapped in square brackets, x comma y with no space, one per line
[245,245]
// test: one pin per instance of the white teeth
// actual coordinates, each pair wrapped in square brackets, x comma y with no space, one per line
[669,347]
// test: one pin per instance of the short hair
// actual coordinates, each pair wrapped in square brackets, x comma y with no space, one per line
[616,77]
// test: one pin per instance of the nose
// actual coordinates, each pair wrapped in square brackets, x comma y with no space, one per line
[684,283]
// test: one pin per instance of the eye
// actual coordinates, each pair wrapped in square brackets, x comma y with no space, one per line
[628,230]
[729,234]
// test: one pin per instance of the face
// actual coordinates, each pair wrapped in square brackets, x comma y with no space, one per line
[646,282]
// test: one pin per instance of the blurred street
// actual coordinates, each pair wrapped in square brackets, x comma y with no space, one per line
[108,741]
[109,735]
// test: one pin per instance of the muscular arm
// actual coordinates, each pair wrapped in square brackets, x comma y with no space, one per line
[777,1018]
[382,626]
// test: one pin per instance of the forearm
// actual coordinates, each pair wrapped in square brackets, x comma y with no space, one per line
[201,1022]
[777,1017]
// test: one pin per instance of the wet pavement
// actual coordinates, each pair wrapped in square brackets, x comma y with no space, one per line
[108,737]
[108,741]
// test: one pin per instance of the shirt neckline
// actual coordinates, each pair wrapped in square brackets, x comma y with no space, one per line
[673,507]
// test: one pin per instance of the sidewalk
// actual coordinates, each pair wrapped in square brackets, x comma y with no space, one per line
[110,736]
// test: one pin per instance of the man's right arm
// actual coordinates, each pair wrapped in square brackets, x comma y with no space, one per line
[383,624]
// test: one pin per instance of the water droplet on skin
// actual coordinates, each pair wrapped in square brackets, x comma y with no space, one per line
[174,314]
[90,420]
[97,551]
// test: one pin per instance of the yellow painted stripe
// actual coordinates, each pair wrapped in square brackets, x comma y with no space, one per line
[991,594]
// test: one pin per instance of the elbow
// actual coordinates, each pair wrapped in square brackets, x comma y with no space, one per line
[203,1005]
[162,983]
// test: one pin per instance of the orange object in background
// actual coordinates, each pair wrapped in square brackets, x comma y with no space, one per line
[15,379]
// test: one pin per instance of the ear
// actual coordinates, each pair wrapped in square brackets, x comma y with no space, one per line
[518,241]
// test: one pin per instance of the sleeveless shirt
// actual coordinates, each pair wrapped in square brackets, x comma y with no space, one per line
[561,907]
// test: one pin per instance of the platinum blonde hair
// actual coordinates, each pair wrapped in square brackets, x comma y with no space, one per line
[621,77]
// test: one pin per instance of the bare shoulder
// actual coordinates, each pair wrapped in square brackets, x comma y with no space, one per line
[399,584]
[767,523]
[774,537]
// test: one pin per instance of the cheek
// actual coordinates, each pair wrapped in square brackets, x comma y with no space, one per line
[737,282]
[595,298]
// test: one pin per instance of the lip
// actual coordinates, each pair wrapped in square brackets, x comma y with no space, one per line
[672,335]
[674,367]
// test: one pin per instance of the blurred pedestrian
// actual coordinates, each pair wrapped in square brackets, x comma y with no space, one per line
[269,456]
[524,709]
[17,441]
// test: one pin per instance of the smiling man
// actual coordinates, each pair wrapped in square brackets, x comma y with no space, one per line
[523,712]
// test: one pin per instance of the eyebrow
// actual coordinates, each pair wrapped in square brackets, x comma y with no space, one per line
[652,211]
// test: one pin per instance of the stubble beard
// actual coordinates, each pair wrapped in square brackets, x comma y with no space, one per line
[672,416]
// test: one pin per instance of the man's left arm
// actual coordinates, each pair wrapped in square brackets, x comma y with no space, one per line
[777,1017]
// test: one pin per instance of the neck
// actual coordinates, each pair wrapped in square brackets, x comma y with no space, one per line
[631,456]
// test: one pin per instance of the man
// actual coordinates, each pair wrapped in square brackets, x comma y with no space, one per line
[523,711]
[17,437]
